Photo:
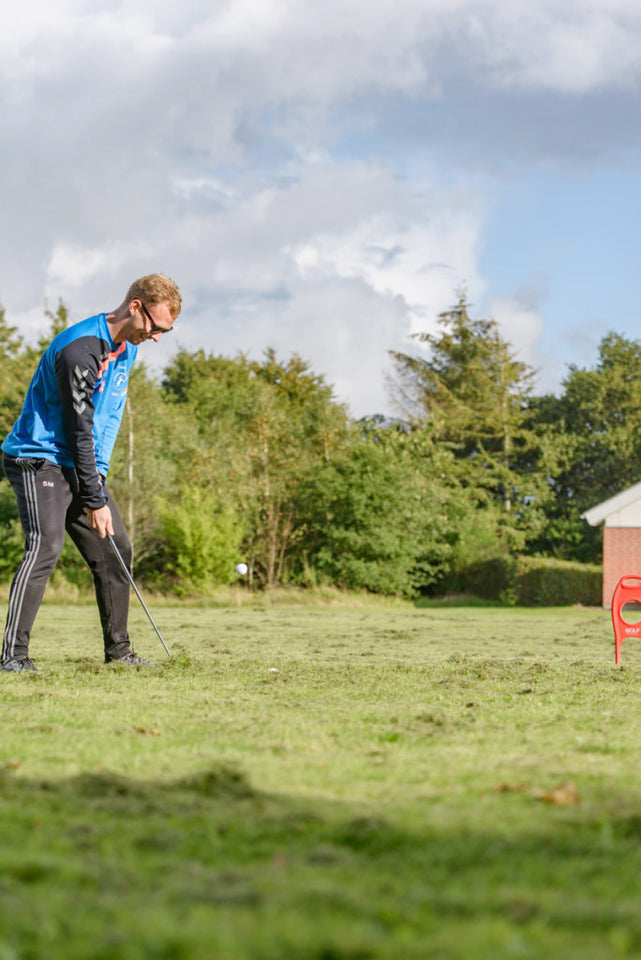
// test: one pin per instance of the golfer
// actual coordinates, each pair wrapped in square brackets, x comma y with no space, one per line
[57,456]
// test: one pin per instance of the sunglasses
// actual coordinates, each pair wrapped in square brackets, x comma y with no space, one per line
[154,326]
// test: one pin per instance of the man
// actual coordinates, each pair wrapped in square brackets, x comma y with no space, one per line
[57,456]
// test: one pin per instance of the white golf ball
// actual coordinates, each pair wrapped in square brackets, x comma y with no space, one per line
[241,568]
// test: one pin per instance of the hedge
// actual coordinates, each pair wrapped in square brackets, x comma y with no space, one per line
[545,582]
[536,581]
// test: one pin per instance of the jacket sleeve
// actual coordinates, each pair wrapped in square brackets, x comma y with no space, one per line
[77,368]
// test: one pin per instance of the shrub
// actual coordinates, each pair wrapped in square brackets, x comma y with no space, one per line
[532,581]
[202,538]
[547,582]
[492,579]
[372,518]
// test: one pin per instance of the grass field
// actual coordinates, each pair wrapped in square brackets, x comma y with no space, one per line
[324,783]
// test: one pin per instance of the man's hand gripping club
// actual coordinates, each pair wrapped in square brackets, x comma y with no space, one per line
[100,520]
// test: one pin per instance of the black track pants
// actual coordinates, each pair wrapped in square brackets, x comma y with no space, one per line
[48,504]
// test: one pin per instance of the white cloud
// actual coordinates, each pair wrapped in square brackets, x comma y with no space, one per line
[420,262]
[72,265]
[234,145]
[291,50]
[574,47]
[340,265]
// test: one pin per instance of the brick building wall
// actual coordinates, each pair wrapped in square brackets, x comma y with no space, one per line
[621,556]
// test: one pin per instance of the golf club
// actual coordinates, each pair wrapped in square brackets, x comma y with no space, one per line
[131,581]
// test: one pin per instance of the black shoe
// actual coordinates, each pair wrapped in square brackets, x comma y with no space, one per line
[17,665]
[130,660]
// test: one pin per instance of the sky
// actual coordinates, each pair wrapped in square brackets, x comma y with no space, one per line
[325,179]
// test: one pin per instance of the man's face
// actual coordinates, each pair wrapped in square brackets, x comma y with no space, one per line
[149,322]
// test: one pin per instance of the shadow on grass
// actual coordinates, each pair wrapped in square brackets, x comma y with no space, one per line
[104,866]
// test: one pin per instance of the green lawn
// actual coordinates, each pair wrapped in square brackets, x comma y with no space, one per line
[310,783]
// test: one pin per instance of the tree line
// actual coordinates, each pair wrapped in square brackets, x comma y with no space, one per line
[224,459]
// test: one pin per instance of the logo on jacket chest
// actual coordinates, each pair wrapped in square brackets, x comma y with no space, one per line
[120,382]
[116,385]
[119,378]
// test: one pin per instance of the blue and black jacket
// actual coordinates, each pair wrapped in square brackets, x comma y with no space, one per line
[74,405]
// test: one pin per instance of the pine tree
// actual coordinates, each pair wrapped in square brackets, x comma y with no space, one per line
[473,392]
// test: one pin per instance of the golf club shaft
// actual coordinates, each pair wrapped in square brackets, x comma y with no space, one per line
[131,581]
